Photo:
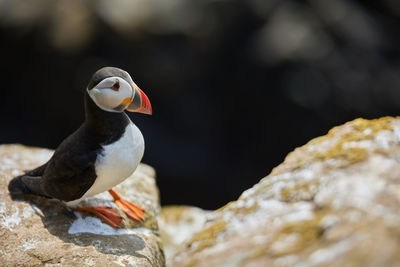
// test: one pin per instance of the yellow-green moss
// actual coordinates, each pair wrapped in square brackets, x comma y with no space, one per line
[359,125]
[263,186]
[207,236]
[173,213]
[308,231]
[350,155]
[225,207]
[355,154]
[192,262]
[287,193]
[338,150]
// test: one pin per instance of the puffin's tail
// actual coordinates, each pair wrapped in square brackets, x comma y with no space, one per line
[25,184]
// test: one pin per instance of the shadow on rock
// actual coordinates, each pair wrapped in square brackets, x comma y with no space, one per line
[57,219]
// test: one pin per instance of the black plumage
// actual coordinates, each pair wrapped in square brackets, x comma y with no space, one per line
[70,172]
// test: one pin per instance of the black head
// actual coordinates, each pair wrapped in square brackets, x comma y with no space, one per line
[108,72]
[113,90]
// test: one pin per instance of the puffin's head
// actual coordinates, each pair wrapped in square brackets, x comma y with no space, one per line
[113,90]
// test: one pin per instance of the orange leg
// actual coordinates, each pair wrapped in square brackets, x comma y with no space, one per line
[108,214]
[132,210]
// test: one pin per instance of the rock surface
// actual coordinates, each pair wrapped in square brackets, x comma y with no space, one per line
[41,232]
[178,224]
[333,202]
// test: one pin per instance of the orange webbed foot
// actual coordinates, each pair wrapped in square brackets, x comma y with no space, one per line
[108,214]
[132,210]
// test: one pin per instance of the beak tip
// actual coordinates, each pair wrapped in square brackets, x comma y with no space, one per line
[146,105]
[142,105]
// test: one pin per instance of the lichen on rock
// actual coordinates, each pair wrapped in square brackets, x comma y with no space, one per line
[332,202]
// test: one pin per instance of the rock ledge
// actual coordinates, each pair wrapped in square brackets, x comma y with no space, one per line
[333,202]
[39,231]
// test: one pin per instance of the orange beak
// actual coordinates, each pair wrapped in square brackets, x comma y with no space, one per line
[140,102]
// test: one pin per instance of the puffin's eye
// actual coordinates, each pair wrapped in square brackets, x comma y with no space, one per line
[116,86]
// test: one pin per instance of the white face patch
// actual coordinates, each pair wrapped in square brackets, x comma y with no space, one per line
[108,98]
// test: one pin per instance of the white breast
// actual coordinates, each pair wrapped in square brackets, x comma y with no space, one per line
[117,162]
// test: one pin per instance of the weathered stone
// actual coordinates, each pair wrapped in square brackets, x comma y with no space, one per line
[42,232]
[333,202]
[177,224]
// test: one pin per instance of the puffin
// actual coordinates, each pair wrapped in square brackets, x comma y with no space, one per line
[104,151]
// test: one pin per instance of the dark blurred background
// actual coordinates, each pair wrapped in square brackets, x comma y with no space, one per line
[235,85]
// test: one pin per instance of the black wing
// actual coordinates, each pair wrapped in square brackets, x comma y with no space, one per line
[71,170]
[37,171]
[68,174]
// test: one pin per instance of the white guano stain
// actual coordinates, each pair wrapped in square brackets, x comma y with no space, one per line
[9,221]
[30,244]
[94,225]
